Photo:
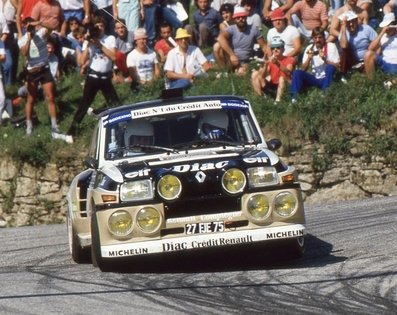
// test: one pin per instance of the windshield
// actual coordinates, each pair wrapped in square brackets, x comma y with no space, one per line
[170,133]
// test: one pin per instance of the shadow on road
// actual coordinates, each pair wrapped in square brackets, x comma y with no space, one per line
[269,255]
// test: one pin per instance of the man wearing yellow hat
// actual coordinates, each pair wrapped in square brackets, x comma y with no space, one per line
[184,63]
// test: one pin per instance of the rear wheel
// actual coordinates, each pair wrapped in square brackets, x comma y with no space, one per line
[79,255]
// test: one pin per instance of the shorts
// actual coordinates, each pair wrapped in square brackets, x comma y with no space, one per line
[42,75]
[390,68]
[270,89]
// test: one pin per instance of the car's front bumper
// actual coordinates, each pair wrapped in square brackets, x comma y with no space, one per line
[202,241]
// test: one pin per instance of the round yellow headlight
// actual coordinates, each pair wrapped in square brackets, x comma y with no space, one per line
[285,204]
[258,206]
[148,219]
[169,187]
[120,223]
[233,181]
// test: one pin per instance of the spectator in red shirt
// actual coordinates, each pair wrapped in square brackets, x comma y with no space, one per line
[24,10]
[165,43]
[273,75]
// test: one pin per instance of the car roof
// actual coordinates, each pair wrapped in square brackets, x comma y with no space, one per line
[166,100]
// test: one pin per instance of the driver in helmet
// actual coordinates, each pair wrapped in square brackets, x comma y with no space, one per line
[139,132]
[213,125]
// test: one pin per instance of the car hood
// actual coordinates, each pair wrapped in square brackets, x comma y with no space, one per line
[193,163]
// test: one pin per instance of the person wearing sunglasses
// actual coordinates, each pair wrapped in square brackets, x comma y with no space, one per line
[274,73]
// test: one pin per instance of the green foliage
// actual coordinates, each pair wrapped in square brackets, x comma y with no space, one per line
[323,117]
[385,146]
[321,162]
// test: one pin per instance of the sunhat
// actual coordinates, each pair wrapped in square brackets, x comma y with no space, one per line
[182,33]
[277,14]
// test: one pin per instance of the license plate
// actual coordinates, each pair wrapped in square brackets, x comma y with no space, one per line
[205,227]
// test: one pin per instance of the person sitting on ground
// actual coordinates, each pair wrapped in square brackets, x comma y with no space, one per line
[274,73]
[124,45]
[382,51]
[354,40]
[270,5]
[322,58]
[288,33]
[226,10]
[206,21]
[142,62]
[307,15]
[252,18]
[237,43]
[165,43]
[216,4]
[184,63]
[350,5]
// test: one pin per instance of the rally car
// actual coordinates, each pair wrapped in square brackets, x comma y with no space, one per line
[181,174]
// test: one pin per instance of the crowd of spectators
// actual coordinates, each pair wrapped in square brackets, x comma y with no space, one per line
[298,43]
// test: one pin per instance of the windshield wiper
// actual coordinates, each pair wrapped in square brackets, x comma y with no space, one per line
[204,142]
[142,147]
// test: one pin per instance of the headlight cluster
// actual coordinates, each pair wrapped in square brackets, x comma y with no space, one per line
[262,176]
[148,220]
[169,186]
[136,190]
[260,206]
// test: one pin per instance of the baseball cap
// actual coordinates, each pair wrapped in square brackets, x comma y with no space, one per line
[276,42]
[349,15]
[387,19]
[239,11]
[140,33]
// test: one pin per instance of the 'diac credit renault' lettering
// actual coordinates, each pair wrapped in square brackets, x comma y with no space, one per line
[178,174]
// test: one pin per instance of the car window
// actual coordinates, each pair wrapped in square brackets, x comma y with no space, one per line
[157,133]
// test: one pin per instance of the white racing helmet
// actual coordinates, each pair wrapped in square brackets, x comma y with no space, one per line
[139,131]
[213,124]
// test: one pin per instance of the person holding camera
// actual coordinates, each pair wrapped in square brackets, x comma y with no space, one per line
[100,52]
[33,46]
[322,59]
[382,52]
[272,77]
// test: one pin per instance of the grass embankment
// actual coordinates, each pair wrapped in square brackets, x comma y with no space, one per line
[328,118]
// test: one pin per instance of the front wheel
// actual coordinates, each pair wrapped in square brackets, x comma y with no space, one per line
[97,259]
[295,247]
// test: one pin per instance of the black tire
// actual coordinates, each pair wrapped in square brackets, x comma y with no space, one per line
[79,255]
[97,260]
[295,247]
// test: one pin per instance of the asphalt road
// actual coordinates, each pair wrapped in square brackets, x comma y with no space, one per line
[350,267]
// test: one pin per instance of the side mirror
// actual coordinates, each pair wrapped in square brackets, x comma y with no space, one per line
[274,144]
[90,162]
